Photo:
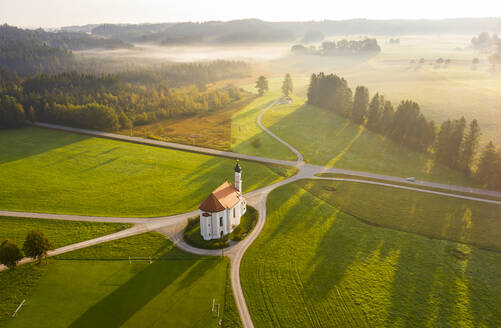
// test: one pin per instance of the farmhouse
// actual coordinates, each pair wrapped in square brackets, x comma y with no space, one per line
[220,213]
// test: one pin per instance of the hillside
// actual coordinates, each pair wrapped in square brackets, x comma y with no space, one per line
[29,52]
[255,30]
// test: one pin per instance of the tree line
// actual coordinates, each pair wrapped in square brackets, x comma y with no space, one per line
[342,47]
[455,143]
[241,31]
[103,102]
[486,43]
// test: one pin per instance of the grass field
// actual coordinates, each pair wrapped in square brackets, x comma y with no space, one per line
[59,233]
[176,290]
[430,215]
[315,266]
[211,129]
[442,92]
[408,184]
[245,130]
[328,139]
[50,171]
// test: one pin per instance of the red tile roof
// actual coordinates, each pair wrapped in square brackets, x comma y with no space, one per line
[223,197]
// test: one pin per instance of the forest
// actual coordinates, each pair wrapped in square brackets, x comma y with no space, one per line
[455,143]
[115,101]
[29,52]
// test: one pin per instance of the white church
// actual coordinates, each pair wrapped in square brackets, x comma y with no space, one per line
[220,213]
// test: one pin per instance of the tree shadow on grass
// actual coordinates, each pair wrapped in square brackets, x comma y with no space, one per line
[119,306]
[290,221]
[212,173]
[484,287]
[101,164]
[204,264]
[30,141]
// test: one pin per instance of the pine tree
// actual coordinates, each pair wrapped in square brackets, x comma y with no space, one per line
[360,105]
[376,108]
[262,85]
[313,90]
[456,141]
[287,85]
[489,168]
[470,146]
[387,118]
[403,126]
[442,150]
[450,142]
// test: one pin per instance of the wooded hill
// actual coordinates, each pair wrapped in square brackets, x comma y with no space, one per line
[254,30]
[28,52]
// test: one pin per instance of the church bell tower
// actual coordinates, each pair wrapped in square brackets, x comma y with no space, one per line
[238,177]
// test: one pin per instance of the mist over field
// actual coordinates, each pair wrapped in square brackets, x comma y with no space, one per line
[191,53]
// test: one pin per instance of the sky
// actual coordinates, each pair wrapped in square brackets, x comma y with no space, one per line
[56,13]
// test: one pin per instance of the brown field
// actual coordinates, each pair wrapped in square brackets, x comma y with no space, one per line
[211,129]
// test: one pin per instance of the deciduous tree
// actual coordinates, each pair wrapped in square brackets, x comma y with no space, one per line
[36,245]
[9,254]
[262,85]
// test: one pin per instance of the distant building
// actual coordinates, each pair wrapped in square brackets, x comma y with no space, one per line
[220,213]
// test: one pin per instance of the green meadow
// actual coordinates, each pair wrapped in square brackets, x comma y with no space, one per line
[434,216]
[315,265]
[245,131]
[59,233]
[325,138]
[49,171]
[176,290]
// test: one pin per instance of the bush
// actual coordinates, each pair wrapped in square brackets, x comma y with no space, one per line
[247,223]
[192,222]
[256,143]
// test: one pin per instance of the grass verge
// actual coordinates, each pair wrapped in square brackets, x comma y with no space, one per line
[58,232]
[409,184]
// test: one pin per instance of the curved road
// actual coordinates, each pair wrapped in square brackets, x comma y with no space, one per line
[172,226]
[300,158]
